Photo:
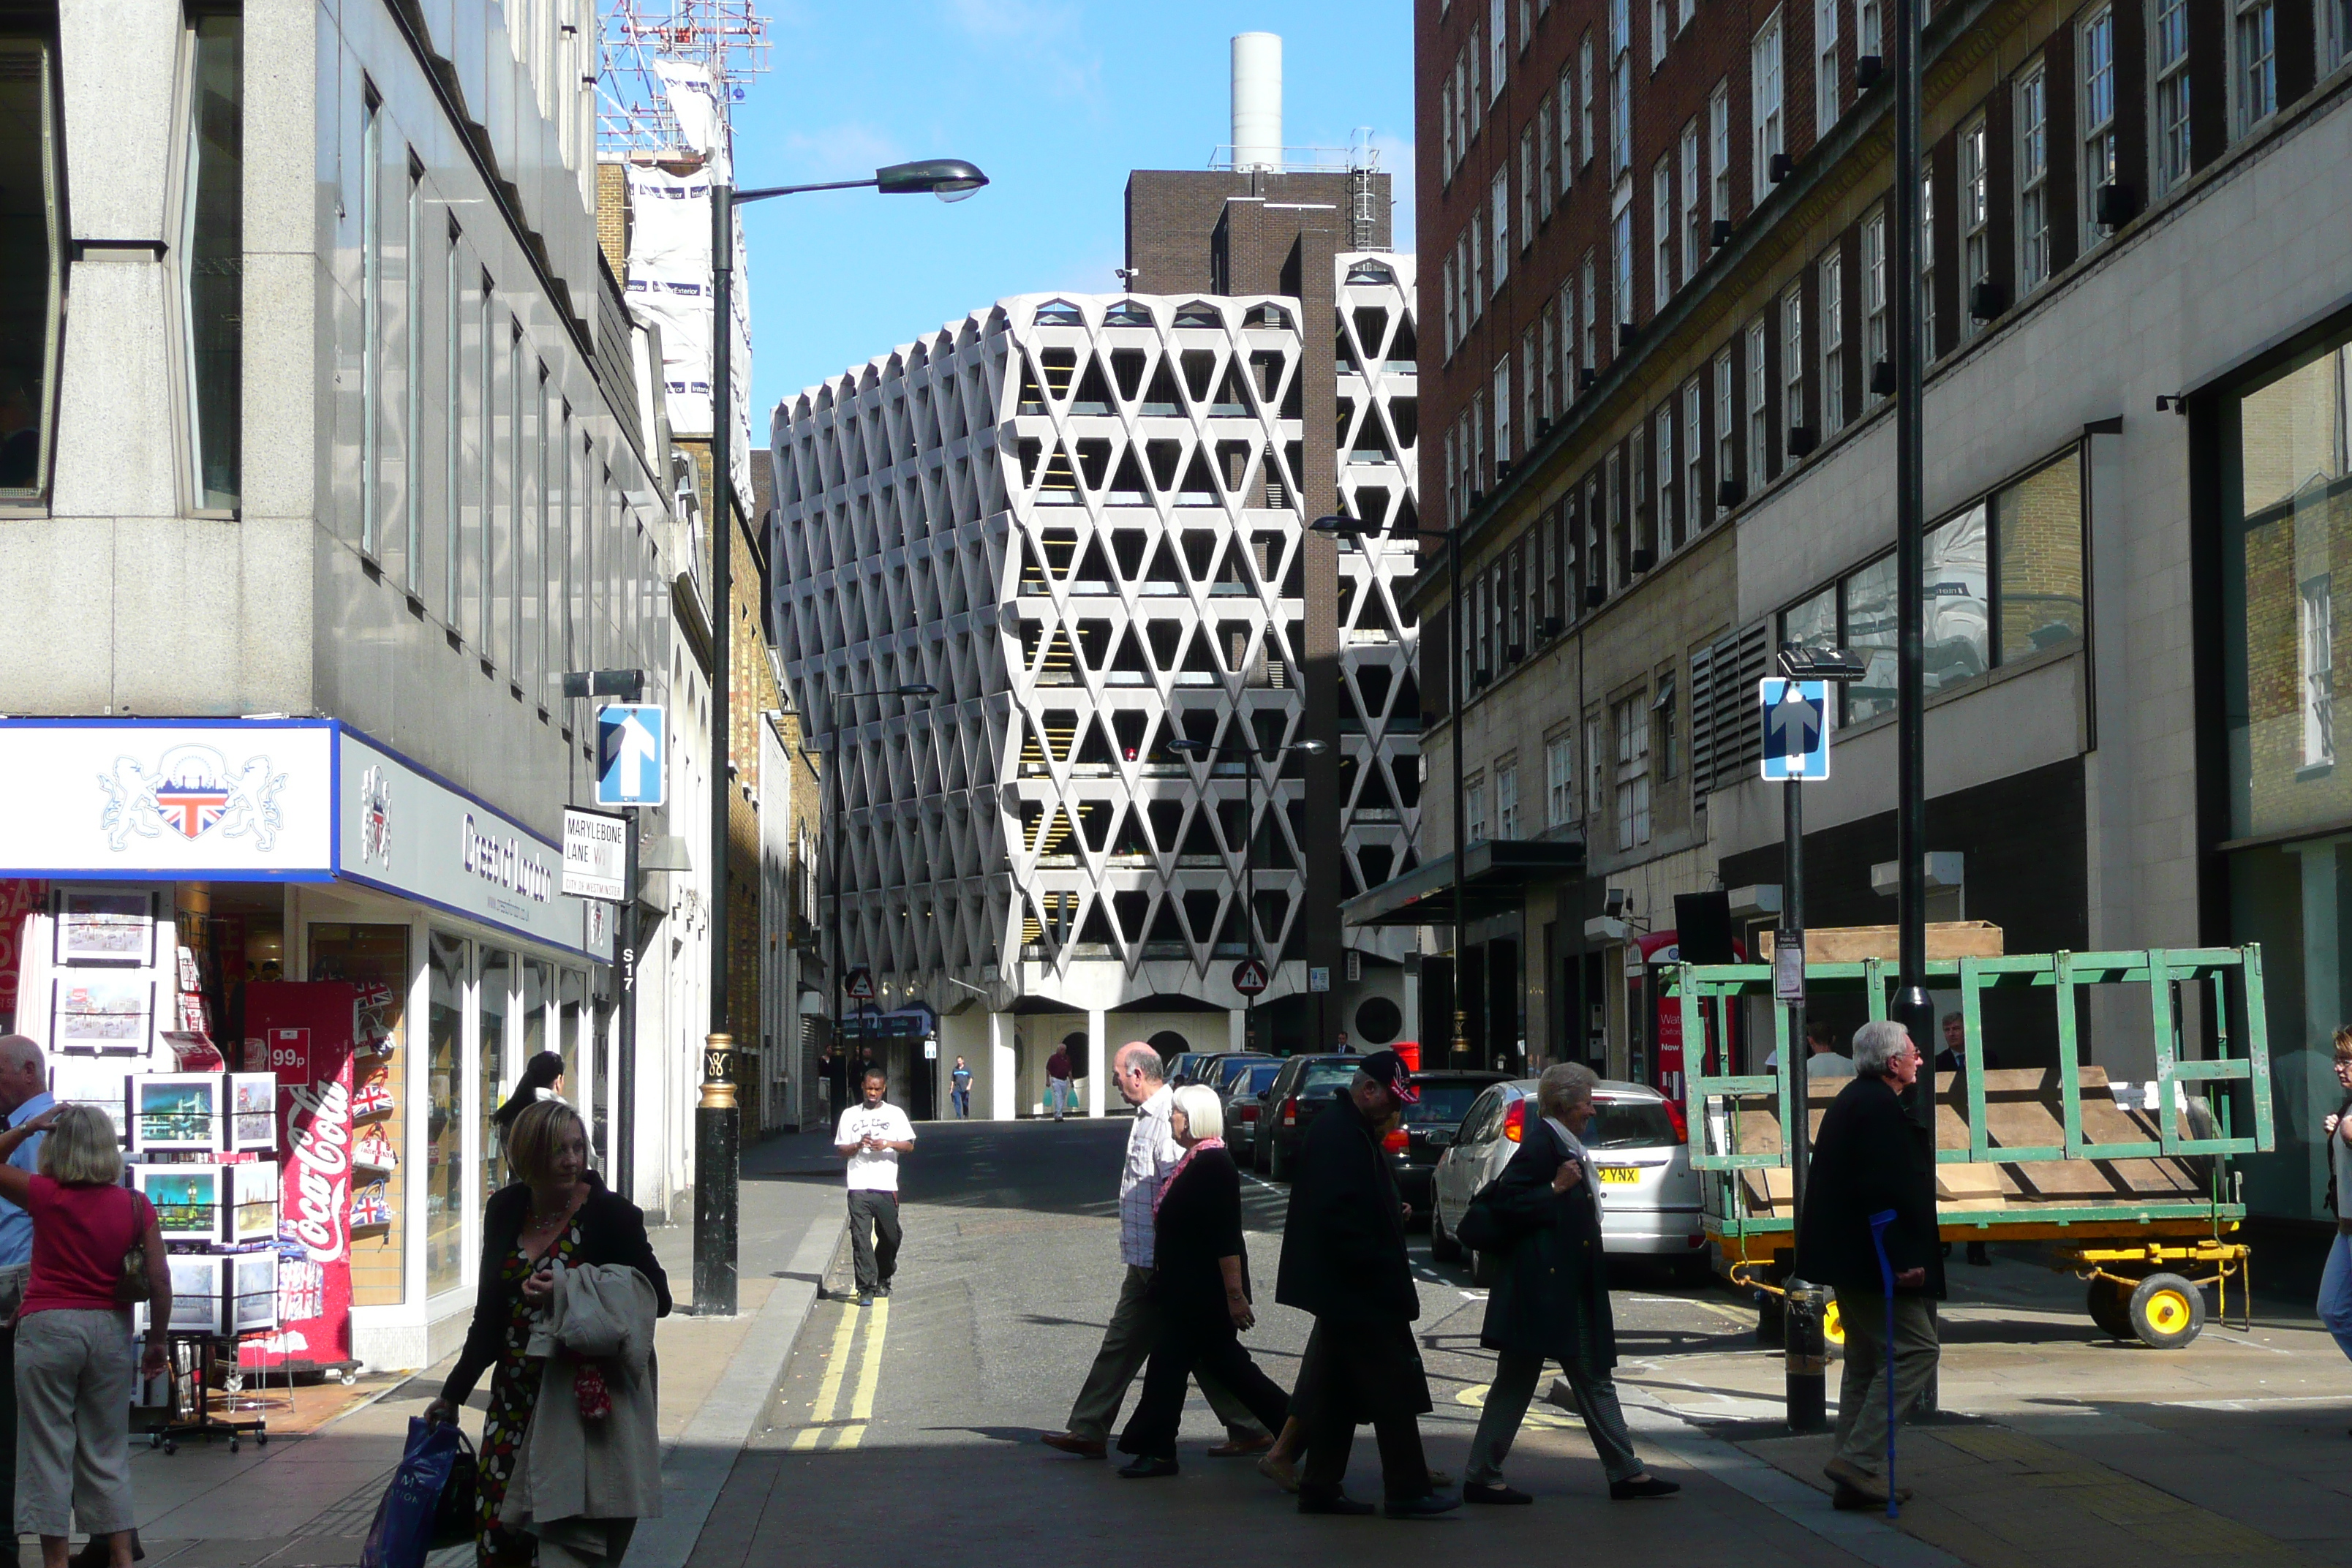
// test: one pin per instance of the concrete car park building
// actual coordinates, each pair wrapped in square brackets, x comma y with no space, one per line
[1081,519]
[1658,412]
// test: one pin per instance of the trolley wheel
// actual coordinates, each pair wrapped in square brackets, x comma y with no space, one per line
[154,1440]
[1441,1246]
[2166,1311]
[232,1444]
[1834,1324]
[169,1446]
[261,1439]
[2110,1306]
[351,1378]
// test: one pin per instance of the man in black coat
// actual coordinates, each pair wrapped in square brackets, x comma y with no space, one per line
[1343,1260]
[1551,1303]
[1869,1157]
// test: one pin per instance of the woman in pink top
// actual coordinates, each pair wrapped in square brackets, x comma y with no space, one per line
[73,1333]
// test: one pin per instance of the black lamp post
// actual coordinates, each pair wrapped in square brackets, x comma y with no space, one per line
[1911,1005]
[717,1124]
[1254,753]
[1354,528]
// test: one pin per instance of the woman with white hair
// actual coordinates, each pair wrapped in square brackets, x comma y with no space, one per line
[73,1333]
[1201,1288]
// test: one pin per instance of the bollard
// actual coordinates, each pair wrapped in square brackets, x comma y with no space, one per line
[1807,1358]
[717,1144]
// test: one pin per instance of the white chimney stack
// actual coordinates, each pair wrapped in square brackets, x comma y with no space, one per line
[1257,100]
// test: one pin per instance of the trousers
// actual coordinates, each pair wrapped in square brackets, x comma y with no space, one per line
[2336,1292]
[1862,1389]
[74,1373]
[1516,1374]
[1181,1354]
[1349,1371]
[1127,1342]
[874,1238]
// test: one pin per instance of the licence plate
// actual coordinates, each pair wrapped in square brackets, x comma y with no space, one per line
[1621,1176]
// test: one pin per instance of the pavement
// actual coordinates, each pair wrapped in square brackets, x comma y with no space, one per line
[305,1500]
[808,1430]
[910,1429]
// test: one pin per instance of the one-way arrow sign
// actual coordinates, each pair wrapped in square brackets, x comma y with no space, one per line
[629,770]
[1796,729]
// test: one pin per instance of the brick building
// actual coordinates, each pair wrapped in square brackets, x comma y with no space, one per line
[1656,390]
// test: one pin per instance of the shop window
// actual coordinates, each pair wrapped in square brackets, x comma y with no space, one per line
[2039,548]
[212,256]
[491,1005]
[441,1193]
[375,958]
[32,265]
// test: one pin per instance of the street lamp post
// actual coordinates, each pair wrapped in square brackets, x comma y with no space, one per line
[1911,1005]
[717,1120]
[1348,527]
[1254,754]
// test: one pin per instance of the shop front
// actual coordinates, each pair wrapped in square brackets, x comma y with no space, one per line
[287,864]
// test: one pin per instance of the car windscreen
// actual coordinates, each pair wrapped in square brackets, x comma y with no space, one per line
[1442,1104]
[1256,1078]
[1227,1075]
[1628,1124]
[1325,1078]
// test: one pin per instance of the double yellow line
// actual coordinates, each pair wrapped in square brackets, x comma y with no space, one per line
[847,1344]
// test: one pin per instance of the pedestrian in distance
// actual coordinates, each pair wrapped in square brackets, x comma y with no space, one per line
[543,1078]
[24,1095]
[1868,1158]
[1137,1322]
[960,1089]
[73,1347]
[1822,1059]
[2336,1280]
[556,1210]
[1344,1263]
[1201,1288]
[1057,1080]
[835,1074]
[873,1133]
[1552,1301]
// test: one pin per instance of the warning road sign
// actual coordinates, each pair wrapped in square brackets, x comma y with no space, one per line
[1249,976]
[858,984]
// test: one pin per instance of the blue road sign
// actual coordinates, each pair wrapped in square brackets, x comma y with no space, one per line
[1796,729]
[629,761]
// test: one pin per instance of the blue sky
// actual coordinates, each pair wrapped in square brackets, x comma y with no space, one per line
[1057,100]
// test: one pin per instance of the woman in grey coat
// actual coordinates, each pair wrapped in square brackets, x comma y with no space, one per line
[1552,1301]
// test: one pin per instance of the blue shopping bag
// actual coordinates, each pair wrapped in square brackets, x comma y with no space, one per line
[437,1460]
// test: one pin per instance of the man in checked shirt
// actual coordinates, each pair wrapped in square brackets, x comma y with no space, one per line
[1134,1327]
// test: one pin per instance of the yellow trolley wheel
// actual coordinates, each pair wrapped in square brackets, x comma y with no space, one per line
[1834,1324]
[2166,1311]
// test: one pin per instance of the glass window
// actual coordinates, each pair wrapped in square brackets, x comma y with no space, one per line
[1870,633]
[375,958]
[1631,719]
[1760,430]
[491,1005]
[1506,803]
[2033,177]
[1976,262]
[1792,358]
[1727,418]
[1694,214]
[1928,266]
[453,430]
[1832,337]
[411,382]
[1813,622]
[212,256]
[1621,269]
[2039,521]
[2254,49]
[1764,70]
[1955,617]
[31,264]
[2172,52]
[1695,497]
[1662,232]
[1560,779]
[1825,65]
[2287,441]
[444,1115]
[1719,138]
[2095,56]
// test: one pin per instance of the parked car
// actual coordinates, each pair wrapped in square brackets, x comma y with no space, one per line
[1649,1195]
[1428,1130]
[1224,1070]
[1290,1102]
[1245,1103]
[1186,1066]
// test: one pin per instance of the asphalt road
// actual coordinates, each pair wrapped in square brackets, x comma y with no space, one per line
[910,1429]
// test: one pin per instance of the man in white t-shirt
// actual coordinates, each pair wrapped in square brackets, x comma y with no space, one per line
[871,1137]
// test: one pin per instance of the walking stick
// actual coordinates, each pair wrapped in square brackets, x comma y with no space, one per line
[1878,1224]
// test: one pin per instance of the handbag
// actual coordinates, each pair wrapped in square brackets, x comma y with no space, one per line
[429,1504]
[1481,1229]
[132,1286]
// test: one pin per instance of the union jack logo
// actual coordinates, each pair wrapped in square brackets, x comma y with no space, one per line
[192,790]
[189,809]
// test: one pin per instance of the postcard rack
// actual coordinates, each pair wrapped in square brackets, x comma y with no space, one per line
[194,1360]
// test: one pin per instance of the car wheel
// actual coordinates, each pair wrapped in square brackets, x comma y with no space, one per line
[1278,1167]
[1441,1246]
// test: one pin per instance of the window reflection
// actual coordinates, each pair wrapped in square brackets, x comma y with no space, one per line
[444,1083]
[1870,633]
[1956,619]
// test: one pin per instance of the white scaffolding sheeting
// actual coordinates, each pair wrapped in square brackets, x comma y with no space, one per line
[670,286]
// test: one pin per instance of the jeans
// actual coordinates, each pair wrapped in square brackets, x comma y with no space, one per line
[1862,1434]
[874,1237]
[961,1098]
[1058,1097]
[1506,1406]
[2336,1292]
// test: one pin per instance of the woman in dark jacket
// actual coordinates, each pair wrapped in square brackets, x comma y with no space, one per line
[1201,1286]
[559,1210]
[1552,1302]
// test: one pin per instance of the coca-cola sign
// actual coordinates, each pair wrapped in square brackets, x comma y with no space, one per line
[317,1197]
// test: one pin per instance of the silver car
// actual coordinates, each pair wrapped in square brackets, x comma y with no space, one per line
[1649,1196]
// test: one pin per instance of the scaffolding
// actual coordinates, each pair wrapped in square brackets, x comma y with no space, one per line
[634,118]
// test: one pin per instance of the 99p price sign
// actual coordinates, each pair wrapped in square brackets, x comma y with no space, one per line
[288,1054]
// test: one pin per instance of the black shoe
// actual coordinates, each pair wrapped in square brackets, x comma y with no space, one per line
[865,1298]
[1147,1468]
[1649,1486]
[883,1288]
[1423,1506]
[1477,1491]
[1339,1503]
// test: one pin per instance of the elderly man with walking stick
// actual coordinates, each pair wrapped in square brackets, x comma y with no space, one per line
[1870,1158]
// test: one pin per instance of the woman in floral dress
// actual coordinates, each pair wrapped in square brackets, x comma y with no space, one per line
[556,1209]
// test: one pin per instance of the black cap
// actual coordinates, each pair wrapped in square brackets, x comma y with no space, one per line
[1388,1069]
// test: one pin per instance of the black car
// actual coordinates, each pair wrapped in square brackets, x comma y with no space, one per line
[1298,1092]
[1187,1067]
[1430,1124]
[1223,1072]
